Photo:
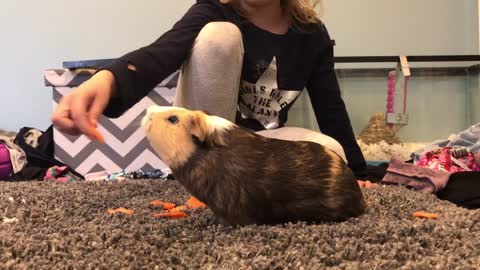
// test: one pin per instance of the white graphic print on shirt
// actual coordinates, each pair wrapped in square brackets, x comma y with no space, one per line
[263,100]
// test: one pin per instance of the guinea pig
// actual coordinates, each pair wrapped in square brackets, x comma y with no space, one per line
[245,178]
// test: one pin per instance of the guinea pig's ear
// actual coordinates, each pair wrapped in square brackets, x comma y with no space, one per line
[202,134]
[197,128]
[215,138]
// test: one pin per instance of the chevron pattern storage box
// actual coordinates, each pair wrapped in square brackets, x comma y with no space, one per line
[126,146]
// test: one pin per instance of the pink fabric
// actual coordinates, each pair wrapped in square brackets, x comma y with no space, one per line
[477,158]
[54,173]
[442,160]
[419,178]
[5,162]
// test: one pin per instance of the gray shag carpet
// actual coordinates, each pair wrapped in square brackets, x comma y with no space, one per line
[65,226]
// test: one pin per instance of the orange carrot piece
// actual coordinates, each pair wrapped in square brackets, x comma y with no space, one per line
[120,210]
[172,215]
[178,209]
[425,215]
[165,205]
[97,135]
[195,203]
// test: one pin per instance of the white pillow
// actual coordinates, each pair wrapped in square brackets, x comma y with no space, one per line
[302,134]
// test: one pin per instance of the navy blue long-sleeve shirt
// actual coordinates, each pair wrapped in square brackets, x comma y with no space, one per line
[276,69]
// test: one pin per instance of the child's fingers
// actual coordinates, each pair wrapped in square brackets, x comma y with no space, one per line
[96,109]
[62,120]
[366,184]
[65,124]
[80,117]
[369,184]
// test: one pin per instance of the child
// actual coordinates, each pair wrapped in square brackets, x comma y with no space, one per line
[244,60]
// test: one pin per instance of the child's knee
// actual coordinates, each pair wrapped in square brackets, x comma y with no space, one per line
[220,37]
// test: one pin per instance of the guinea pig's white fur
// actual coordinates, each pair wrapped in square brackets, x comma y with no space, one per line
[177,146]
[246,178]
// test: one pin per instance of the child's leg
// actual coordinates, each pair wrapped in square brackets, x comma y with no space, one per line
[302,134]
[210,78]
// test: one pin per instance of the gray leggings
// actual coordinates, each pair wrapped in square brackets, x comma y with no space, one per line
[210,80]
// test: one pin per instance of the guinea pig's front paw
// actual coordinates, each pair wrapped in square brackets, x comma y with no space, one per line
[223,221]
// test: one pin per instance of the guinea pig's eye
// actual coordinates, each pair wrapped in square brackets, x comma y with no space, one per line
[173,119]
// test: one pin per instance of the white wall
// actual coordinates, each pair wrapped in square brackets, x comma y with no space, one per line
[422,27]
[412,27]
[36,35]
[427,27]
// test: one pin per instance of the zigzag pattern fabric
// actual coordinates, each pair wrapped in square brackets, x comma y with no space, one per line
[126,146]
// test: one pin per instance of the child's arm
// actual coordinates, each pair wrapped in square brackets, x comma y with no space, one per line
[330,110]
[138,72]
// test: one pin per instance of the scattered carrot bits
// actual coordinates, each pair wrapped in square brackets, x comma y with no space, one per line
[172,215]
[120,210]
[178,209]
[165,205]
[195,203]
[425,215]
[98,136]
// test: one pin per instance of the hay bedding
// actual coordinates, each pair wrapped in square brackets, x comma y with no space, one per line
[65,226]
[379,141]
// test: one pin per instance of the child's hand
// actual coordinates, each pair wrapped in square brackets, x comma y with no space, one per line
[366,184]
[78,112]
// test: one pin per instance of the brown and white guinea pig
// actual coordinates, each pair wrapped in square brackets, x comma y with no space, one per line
[245,178]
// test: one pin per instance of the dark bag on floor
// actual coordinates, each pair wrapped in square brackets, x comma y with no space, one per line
[462,189]
[40,159]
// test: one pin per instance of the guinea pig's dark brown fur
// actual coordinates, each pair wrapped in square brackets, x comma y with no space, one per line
[245,178]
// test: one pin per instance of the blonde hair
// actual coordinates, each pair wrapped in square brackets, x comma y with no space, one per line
[301,12]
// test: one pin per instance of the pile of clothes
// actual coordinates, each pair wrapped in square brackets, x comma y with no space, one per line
[448,168]
[124,175]
[29,155]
